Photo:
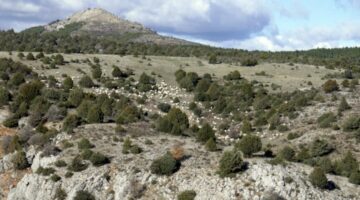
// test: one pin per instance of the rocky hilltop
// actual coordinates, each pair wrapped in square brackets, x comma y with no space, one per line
[101,23]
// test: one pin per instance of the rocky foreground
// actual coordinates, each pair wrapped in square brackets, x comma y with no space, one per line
[128,175]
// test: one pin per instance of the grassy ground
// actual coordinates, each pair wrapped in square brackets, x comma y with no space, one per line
[289,77]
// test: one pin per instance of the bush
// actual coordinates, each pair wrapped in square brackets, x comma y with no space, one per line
[70,123]
[60,163]
[126,145]
[84,195]
[116,72]
[19,160]
[9,144]
[187,195]
[59,60]
[146,83]
[213,59]
[76,96]
[210,145]
[17,79]
[179,74]
[343,105]
[249,144]
[30,56]
[60,194]
[85,144]
[205,133]
[45,171]
[164,107]
[4,96]
[246,127]
[330,86]
[355,177]
[55,178]
[11,122]
[77,165]
[346,165]
[325,164]
[96,72]
[321,148]
[165,165]
[250,62]
[287,153]
[326,120]
[351,124]
[235,75]
[86,82]
[95,115]
[98,159]
[230,163]
[68,83]
[318,178]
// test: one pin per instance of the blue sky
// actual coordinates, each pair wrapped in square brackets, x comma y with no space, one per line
[247,24]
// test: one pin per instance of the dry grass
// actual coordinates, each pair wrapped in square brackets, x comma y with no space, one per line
[177,152]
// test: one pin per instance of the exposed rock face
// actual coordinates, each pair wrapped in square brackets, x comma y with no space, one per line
[128,176]
[100,22]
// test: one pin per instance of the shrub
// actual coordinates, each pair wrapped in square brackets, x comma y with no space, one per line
[98,159]
[85,144]
[326,165]
[210,145]
[21,55]
[318,178]
[164,107]
[249,62]
[76,96]
[355,177]
[146,83]
[205,133]
[326,120]
[77,165]
[213,59]
[68,174]
[11,122]
[96,72]
[60,194]
[330,86]
[70,123]
[59,60]
[95,115]
[321,148]
[45,171]
[55,178]
[126,145]
[17,79]
[135,149]
[346,165]
[187,195]
[292,136]
[9,144]
[235,75]
[84,195]
[4,96]
[249,144]
[176,116]
[179,74]
[351,124]
[19,160]
[343,105]
[60,163]
[287,153]
[128,115]
[246,127]
[116,72]
[68,83]
[28,91]
[86,82]
[230,163]
[164,165]
[30,56]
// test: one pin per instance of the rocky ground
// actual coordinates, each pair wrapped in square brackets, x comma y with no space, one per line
[128,175]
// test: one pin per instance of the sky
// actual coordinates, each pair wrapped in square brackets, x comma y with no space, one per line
[271,25]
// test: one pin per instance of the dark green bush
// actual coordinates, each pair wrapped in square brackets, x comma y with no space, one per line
[76,96]
[84,195]
[343,105]
[287,153]
[146,83]
[355,177]
[230,163]
[60,194]
[210,145]
[86,82]
[250,62]
[30,56]
[326,120]
[95,114]
[346,165]
[321,148]
[45,171]
[98,159]
[68,83]
[205,133]
[19,160]
[187,195]
[55,178]
[77,165]
[318,178]
[85,144]
[249,144]
[164,107]
[351,124]
[164,165]
[70,123]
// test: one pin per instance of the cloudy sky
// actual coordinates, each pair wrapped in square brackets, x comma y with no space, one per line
[247,24]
